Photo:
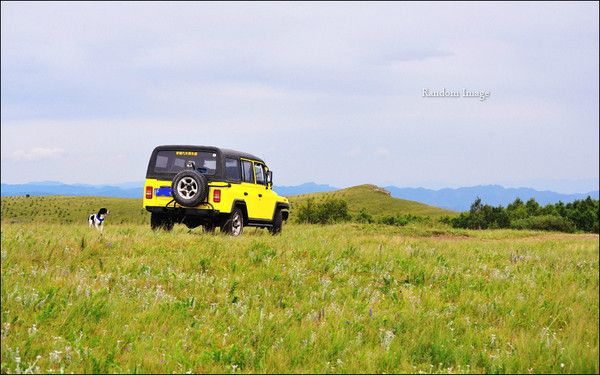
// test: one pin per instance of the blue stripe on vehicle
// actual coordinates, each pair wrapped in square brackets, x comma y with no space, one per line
[163,191]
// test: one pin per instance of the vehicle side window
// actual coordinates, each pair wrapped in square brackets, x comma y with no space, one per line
[247,171]
[260,175]
[232,169]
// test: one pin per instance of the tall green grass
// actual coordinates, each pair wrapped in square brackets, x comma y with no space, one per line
[339,298]
[71,210]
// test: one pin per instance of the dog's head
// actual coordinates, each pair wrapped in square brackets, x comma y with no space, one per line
[103,211]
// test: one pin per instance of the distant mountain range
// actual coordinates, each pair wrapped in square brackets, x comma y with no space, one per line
[306,188]
[124,190]
[458,199]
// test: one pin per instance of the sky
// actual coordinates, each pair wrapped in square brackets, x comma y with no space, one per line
[325,92]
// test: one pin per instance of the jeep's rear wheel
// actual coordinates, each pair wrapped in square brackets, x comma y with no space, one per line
[234,226]
[161,221]
[277,223]
[189,188]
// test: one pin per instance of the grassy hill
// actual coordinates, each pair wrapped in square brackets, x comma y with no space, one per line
[377,201]
[66,210]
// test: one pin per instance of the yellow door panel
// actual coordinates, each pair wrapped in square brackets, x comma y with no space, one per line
[250,196]
[266,205]
[269,202]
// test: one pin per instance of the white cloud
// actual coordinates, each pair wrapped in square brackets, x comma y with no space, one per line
[382,152]
[37,153]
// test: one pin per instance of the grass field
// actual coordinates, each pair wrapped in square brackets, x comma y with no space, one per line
[339,298]
[67,210]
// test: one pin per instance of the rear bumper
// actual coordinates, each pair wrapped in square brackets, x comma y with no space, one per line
[184,211]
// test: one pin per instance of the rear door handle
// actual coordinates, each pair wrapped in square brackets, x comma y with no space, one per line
[245,193]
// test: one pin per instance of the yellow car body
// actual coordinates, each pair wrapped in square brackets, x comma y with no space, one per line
[235,180]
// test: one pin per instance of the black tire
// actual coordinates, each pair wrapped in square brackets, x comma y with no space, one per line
[156,220]
[277,223]
[189,188]
[161,221]
[234,225]
[191,224]
[168,224]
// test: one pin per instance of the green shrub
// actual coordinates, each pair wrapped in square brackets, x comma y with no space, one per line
[545,222]
[364,216]
[401,220]
[388,220]
[329,211]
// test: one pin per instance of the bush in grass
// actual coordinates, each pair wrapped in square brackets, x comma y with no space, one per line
[545,222]
[329,211]
[364,216]
[400,220]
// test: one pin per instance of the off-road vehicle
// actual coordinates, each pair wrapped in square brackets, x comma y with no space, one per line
[212,187]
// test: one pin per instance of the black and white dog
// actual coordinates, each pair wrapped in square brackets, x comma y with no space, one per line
[97,220]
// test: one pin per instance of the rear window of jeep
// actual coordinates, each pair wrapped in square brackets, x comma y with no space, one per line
[168,161]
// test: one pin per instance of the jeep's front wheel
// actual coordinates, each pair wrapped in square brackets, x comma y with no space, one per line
[234,225]
[277,223]
[161,221]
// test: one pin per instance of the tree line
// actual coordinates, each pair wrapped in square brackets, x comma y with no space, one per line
[580,215]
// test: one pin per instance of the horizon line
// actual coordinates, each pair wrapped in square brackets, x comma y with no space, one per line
[454,187]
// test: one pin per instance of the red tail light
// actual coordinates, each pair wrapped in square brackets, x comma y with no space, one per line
[216,195]
[148,192]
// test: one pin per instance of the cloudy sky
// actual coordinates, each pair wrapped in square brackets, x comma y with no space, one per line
[324,92]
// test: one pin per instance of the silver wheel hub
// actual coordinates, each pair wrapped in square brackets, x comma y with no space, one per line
[187,187]
[236,224]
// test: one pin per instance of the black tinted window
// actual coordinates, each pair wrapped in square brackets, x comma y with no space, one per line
[247,171]
[232,169]
[168,161]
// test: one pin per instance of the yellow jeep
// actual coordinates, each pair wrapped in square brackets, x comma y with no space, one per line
[212,187]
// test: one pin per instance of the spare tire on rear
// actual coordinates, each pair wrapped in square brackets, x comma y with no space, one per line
[189,188]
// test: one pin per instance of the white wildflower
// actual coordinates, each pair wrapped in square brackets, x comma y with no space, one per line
[55,356]
[5,330]
[386,339]
[32,330]
[68,353]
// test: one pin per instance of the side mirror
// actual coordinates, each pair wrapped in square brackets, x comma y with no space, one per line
[270,179]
